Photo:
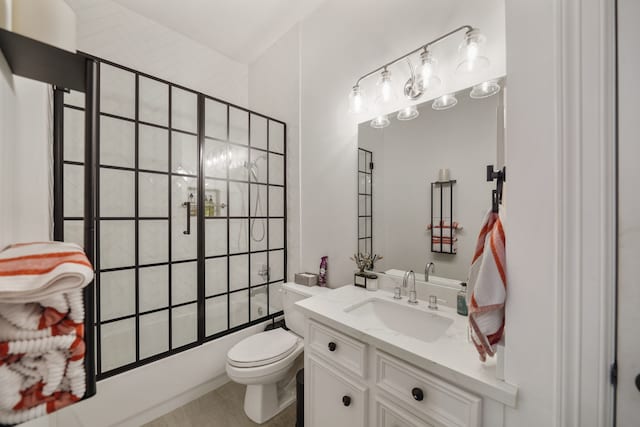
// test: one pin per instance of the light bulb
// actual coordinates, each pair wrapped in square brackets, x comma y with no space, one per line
[380,122]
[427,78]
[444,102]
[408,113]
[356,100]
[471,53]
[485,89]
[384,85]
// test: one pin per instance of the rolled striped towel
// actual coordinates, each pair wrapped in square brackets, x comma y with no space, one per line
[488,287]
[34,272]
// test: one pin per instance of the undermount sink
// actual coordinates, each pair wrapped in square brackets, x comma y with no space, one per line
[403,319]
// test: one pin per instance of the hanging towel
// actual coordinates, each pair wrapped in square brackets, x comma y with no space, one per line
[42,347]
[488,285]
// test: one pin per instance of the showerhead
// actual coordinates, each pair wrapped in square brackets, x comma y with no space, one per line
[252,167]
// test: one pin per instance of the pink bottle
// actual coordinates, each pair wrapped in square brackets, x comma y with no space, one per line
[322,280]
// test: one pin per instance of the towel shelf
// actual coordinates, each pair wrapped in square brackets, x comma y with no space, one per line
[442,225]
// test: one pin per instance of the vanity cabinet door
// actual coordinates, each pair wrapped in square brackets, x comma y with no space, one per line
[333,400]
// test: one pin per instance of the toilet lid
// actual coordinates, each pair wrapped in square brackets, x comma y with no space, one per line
[262,349]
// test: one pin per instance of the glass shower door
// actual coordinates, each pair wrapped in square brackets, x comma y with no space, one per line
[191,227]
[244,216]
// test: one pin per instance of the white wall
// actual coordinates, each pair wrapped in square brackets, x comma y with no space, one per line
[561,217]
[333,54]
[24,159]
[113,32]
[629,205]
[274,80]
[407,159]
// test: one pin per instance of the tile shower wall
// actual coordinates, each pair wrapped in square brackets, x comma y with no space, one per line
[153,299]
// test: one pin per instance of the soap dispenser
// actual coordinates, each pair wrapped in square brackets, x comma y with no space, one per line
[462,300]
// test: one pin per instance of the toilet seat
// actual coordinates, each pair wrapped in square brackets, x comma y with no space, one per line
[263,349]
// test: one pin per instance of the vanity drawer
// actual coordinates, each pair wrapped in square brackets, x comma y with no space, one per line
[438,401]
[337,348]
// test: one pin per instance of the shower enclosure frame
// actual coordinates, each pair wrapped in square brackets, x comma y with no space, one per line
[92,197]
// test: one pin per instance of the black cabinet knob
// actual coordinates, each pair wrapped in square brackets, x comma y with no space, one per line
[346,400]
[638,382]
[417,394]
[332,346]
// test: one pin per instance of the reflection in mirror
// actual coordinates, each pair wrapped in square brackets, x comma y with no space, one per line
[418,210]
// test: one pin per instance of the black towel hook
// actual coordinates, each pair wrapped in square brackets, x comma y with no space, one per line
[500,176]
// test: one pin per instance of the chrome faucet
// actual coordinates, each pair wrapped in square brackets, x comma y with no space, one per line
[405,281]
[430,266]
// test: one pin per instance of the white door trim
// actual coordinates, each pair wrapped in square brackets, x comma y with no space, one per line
[586,295]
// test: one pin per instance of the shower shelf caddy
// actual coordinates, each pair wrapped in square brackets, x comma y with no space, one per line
[65,71]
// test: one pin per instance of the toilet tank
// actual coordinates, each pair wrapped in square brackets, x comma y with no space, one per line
[292,292]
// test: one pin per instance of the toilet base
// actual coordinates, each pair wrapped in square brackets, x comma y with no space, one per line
[265,401]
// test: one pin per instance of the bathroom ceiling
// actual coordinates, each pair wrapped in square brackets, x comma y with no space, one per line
[239,29]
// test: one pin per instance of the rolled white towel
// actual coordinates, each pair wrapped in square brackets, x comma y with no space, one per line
[11,385]
[32,272]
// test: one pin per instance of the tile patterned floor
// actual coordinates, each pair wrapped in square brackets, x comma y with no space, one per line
[220,408]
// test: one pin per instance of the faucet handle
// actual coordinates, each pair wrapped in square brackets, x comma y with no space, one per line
[397,293]
[433,302]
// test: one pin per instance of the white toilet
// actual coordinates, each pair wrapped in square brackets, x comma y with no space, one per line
[267,362]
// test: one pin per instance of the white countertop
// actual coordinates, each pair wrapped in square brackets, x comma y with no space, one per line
[451,357]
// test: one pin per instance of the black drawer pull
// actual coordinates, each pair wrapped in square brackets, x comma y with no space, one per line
[332,346]
[417,394]
[638,382]
[346,400]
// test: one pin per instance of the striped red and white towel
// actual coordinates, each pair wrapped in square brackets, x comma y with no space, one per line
[488,287]
[42,346]
[31,272]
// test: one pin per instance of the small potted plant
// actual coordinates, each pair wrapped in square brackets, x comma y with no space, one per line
[364,262]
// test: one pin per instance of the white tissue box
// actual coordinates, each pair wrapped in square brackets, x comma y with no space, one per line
[306,279]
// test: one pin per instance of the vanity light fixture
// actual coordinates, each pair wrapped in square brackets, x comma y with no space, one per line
[408,113]
[444,102]
[425,78]
[380,122]
[485,90]
[471,52]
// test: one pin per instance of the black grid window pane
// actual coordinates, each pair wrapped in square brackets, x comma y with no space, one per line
[188,247]
[365,201]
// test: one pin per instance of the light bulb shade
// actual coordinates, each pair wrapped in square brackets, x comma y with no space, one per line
[380,122]
[408,113]
[471,53]
[444,102]
[485,90]
[385,89]
[356,100]
[426,74]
